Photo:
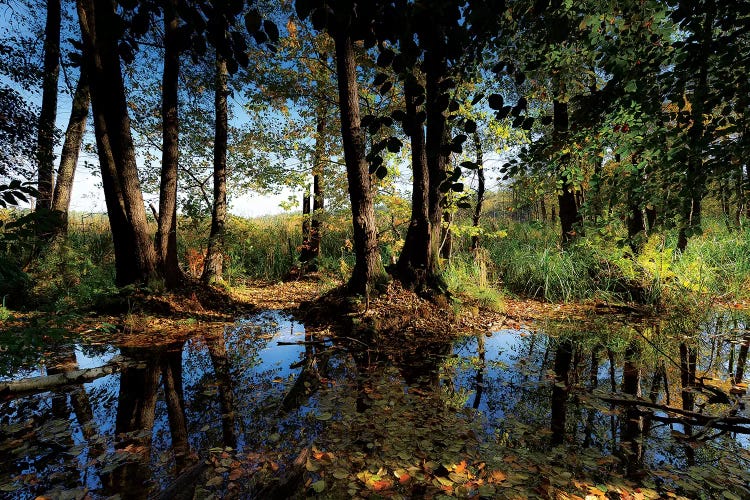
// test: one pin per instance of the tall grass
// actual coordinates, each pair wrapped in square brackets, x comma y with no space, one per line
[473,278]
[715,265]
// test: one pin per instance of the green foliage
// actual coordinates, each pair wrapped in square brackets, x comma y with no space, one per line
[471,279]
[75,272]
[716,266]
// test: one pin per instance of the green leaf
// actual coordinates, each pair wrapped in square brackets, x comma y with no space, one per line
[319,486]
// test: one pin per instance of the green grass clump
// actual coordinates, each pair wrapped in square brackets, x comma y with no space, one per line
[471,278]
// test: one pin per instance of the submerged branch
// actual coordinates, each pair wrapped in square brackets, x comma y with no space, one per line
[46,383]
[695,418]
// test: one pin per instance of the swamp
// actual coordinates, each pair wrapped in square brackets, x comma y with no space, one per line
[259,249]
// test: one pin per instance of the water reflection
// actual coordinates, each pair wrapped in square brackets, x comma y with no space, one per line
[644,400]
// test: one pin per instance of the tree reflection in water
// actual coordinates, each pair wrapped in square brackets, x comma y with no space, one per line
[390,404]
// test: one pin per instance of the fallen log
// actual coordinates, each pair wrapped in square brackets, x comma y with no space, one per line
[700,418]
[49,382]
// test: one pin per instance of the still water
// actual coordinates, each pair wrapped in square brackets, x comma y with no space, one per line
[514,412]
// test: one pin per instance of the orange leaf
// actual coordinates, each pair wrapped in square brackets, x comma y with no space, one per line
[235,474]
[460,468]
[497,476]
[381,485]
[405,478]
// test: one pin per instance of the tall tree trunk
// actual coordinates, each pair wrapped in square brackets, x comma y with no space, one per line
[304,255]
[48,114]
[368,264]
[446,245]
[436,131]
[212,269]
[636,226]
[416,260]
[739,196]
[569,215]
[318,176]
[480,192]
[71,148]
[117,152]
[695,183]
[596,190]
[650,217]
[166,233]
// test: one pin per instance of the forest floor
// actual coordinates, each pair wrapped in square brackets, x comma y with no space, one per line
[144,317]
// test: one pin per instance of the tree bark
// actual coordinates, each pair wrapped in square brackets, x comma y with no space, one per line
[435,134]
[48,114]
[166,233]
[480,192]
[416,260]
[368,266]
[306,226]
[71,148]
[568,210]
[134,249]
[446,245]
[695,182]
[212,270]
[318,176]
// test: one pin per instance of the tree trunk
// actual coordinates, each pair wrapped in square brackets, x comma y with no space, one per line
[304,255]
[134,249]
[71,148]
[480,192]
[651,218]
[435,135]
[415,261]
[569,215]
[48,114]
[368,266]
[695,183]
[166,233]
[212,270]
[318,188]
[636,227]
[446,247]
